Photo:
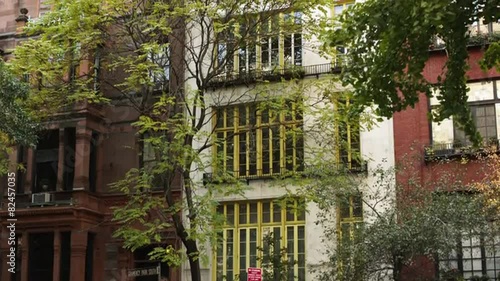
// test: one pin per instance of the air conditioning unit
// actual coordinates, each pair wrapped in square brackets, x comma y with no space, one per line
[39,198]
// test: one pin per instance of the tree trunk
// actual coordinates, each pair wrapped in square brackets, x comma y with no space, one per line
[397,266]
[194,261]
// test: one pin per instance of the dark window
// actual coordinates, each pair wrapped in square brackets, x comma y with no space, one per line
[46,161]
[476,255]
[93,162]
[349,145]
[254,141]
[484,117]
[69,158]
[21,173]
[97,68]
[350,209]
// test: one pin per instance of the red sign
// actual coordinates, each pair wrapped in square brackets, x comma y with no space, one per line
[254,274]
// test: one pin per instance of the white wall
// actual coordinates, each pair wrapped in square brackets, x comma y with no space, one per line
[377,146]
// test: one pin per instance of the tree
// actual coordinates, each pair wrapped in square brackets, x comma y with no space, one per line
[489,186]
[389,42]
[16,122]
[157,59]
[401,230]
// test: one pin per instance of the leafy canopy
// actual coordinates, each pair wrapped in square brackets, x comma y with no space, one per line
[389,41]
[15,122]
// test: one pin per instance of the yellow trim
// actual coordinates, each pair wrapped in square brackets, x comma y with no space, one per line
[345,145]
[258,48]
[259,226]
[254,140]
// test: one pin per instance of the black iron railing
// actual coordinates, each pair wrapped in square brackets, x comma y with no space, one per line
[448,150]
[276,74]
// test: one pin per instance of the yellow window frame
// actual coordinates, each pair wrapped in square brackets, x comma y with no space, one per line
[286,128]
[258,48]
[262,228]
[350,135]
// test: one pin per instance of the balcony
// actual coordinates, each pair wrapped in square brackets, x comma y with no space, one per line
[75,198]
[277,74]
[441,151]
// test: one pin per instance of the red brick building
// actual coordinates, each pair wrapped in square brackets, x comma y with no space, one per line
[422,145]
[63,217]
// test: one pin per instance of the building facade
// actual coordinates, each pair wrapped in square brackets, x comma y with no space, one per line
[63,228]
[434,150]
[62,203]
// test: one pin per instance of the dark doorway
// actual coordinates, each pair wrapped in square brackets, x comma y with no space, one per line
[142,260]
[41,256]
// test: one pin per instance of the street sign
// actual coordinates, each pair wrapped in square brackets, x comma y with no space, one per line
[136,272]
[254,274]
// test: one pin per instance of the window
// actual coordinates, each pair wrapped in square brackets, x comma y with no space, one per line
[484,117]
[74,67]
[475,256]
[97,68]
[348,138]
[150,156]
[340,51]
[159,72]
[46,161]
[350,216]
[350,221]
[267,46]
[244,240]
[22,159]
[254,141]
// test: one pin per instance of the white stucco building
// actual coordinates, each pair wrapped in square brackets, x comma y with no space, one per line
[263,132]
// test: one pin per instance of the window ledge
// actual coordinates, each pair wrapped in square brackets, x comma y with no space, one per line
[449,151]
[308,172]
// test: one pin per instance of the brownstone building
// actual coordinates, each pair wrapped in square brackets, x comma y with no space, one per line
[63,218]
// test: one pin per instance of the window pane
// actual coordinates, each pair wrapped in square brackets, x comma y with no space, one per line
[357,206]
[229,255]
[297,45]
[253,212]
[253,247]
[242,112]
[243,213]
[266,212]
[276,149]
[243,253]
[344,207]
[230,214]
[230,153]
[266,153]
[276,212]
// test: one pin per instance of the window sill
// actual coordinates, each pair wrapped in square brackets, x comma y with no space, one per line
[307,172]
[449,151]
